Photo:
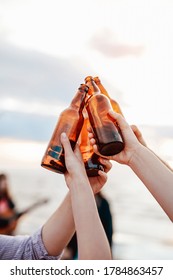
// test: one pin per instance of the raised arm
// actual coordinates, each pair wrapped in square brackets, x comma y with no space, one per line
[140,138]
[59,229]
[156,176]
[92,240]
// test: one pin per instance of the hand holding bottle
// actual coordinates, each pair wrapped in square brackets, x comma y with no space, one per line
[109,139]
[97,182]
[85,213]
[70,121]
[76,170]
[138,135]
[131,142]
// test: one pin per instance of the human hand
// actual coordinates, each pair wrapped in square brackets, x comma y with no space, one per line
[138,135]
[99,181]
[74,163]
[131,142]
[76,170]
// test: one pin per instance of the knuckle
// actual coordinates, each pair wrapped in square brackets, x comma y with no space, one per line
[133,127]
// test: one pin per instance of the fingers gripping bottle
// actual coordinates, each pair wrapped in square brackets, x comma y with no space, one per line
[108,138]
[70,121]
[90,159]
[115,105]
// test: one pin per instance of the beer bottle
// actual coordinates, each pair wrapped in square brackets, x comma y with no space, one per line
[90,159]
[115,105]
[108,138]
[70,121]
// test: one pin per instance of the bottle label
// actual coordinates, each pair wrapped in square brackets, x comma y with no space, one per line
[56,152]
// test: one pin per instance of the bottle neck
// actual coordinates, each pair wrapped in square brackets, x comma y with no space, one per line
[101,87]
[93,88]
[78,102]
[85,113]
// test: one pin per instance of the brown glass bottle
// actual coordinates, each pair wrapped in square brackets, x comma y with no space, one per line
[115,105]
[108,138]
[70,121]
[90,159]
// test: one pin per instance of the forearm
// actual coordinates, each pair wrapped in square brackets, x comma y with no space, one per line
[92,240]
[156,177]
[59,229]
[164,162]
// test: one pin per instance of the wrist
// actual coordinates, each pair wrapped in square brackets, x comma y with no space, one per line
[79,181]
[136,155]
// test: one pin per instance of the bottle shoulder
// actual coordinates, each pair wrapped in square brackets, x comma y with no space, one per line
[113,101]
[70,111]
[99,97]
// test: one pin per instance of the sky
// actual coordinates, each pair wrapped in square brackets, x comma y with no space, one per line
[48,47]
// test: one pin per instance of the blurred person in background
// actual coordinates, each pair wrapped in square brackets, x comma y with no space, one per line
[7,207]
[9,216]
[71,251]
[105,215]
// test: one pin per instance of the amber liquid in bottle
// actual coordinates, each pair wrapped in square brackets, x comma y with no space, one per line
[115,105]
[90,159]
[70,121]
[108,138]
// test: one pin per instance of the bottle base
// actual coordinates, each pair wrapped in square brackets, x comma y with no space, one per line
[57,169]
[111,149]
[93,172]
[92,168]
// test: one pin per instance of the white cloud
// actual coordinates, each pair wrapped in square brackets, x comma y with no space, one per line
[65,28]
[37,108]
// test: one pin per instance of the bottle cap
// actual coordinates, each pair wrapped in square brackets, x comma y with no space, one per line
[97,80]
[83,87]
[88,79]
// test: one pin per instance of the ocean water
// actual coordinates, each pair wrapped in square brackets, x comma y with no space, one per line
[141,228]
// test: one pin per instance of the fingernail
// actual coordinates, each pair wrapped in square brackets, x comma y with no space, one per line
[63,135]
[101,172]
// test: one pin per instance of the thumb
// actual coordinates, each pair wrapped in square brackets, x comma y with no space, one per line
[66,144]
[120,120]
[136,131]
[138,135]
[77,152]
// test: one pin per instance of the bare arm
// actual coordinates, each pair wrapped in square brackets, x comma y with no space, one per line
[59,229]
[92,240]
[156,176]
[140,138]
